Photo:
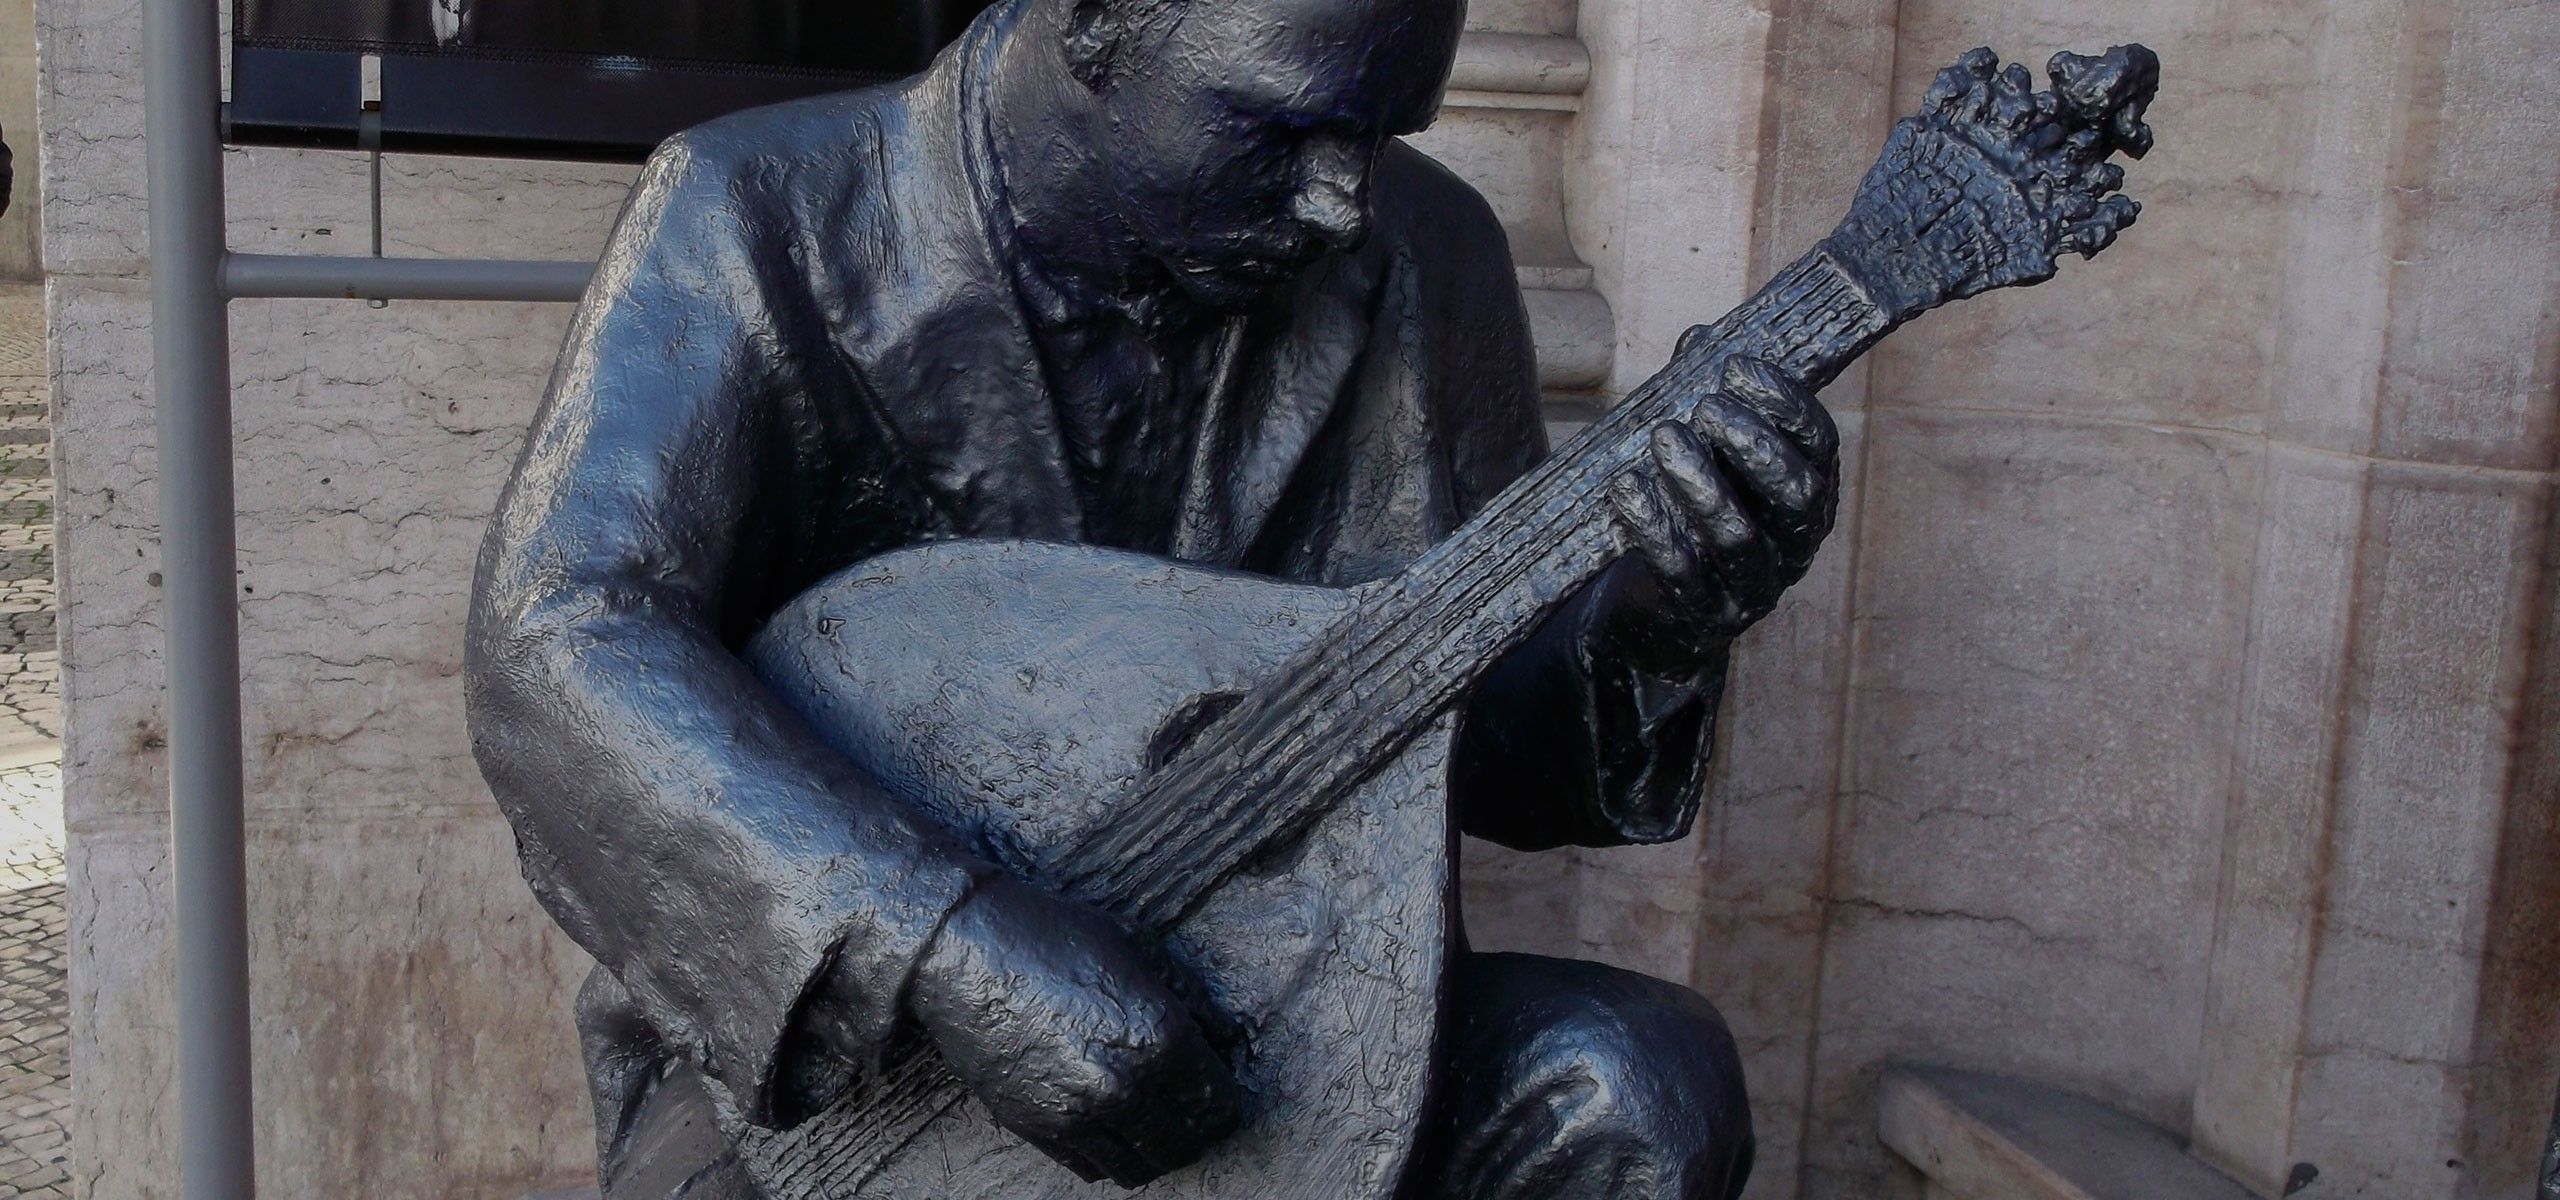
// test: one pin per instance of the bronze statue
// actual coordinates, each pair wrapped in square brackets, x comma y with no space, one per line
[1021,574]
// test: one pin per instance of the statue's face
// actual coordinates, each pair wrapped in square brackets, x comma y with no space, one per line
[1238,138]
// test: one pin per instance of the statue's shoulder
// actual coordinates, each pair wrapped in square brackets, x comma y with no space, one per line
[1423,205]
[779,149]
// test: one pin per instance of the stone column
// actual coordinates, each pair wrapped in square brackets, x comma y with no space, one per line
[2384,985]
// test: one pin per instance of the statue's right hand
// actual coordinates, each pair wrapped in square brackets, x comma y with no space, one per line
[1061,1026]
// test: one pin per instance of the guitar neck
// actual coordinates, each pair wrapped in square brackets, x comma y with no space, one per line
[1283,756]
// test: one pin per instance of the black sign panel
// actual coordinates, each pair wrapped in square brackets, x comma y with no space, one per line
[555,78]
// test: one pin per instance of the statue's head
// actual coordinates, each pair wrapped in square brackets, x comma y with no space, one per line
[1235,138]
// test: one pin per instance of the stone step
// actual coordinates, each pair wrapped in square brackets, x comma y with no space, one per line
[1519,70]
[1989,1137]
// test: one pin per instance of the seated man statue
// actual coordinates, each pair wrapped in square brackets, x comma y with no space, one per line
[1148,275]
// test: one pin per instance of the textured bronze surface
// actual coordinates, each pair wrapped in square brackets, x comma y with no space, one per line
[1021,572]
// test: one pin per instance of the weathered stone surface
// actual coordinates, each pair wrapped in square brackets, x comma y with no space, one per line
[1660,177]
[408,1032]
[2468,376]
[2172,331]
[2274,854]
[1982,1137]
[2446,588]
[2024,872]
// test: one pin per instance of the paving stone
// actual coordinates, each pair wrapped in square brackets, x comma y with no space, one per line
[35,1077]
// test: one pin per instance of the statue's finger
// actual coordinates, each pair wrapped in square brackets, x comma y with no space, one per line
[1730,543]
[1654,532]
[2099,231]
[2089,237]
[1786,404]
[1772,473]
[1700,491]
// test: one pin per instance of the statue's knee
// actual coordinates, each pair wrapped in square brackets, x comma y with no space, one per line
[1652,1061]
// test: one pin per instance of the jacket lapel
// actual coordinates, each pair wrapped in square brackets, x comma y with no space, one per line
[1281,372]
[933,331]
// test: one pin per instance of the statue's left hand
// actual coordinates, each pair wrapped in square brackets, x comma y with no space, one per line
[1727,511]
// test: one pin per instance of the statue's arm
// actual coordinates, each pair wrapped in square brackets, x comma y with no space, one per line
[1569,742]
[670,813]
[1565,741]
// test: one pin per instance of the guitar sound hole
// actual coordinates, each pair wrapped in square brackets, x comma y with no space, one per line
[1179,730]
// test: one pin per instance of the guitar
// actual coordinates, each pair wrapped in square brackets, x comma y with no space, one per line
[1279,821]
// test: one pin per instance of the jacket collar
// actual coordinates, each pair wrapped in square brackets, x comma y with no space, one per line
[935,331]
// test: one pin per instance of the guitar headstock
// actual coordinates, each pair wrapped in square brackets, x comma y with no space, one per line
[1992,183]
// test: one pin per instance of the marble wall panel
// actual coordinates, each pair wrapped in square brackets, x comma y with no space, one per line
[2446,587]
[2337,264]
[1523,16]
[2049,616]
[2520,959]
[372,443]
[2472,331]
[409,1036]
[1664,166]
[2277,840]
[2170,326]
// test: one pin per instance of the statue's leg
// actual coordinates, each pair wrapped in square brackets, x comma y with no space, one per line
[656,1137]
[1574,1081]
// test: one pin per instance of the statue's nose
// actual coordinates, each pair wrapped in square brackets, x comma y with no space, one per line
[1333,193]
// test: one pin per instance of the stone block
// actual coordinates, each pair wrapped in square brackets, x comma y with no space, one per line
[2448,586]
[2275,853]
[2049,621]
[411,1030]
[1983,1137]
[2468,378]
[372,444]
[1523,16]
[1660,196]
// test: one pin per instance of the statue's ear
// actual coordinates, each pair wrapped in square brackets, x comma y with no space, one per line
[1096,30]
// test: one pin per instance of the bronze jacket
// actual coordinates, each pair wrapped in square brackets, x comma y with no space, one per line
[801,349]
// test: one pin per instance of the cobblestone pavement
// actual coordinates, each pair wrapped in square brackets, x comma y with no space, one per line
[34,1074]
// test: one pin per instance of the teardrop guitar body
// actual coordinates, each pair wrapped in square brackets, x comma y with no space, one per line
[1015,692]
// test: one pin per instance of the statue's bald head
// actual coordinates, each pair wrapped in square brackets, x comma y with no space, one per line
[1238,135]
[1393,43]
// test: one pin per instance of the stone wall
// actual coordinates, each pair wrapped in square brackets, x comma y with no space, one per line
[2166,721]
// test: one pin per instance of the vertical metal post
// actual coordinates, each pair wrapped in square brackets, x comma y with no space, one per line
[191,383]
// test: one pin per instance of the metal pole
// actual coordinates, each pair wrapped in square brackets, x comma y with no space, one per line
[245,276]
[191,384]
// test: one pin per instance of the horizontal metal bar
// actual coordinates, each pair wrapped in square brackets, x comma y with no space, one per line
[317,277]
